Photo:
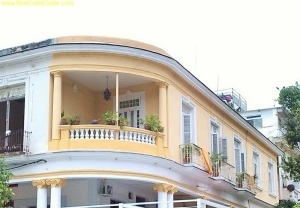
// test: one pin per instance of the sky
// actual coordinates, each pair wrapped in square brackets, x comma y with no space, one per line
[252,46]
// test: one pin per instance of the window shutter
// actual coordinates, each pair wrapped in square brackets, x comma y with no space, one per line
[243,161]
[224,147]
[237,160]
[187,129]
[215,143]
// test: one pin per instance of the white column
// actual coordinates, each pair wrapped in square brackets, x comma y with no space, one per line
[55,197]
[56,184]
[117,97]
[162,109]
[162,196]
[41,193]
[170,200]
[171,192]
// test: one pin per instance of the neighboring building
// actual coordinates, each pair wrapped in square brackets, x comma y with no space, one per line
[267,121]
[90,163]
[234,99]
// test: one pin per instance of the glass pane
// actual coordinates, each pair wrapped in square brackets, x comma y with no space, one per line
[132,118]
[187,129]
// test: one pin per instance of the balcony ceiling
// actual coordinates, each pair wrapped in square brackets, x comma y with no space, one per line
[97,81]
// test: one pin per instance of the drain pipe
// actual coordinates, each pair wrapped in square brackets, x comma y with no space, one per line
[279,171]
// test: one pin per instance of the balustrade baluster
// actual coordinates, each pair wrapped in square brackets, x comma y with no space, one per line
[130,136]
[106,133]
[86,134]
[147,138]
[126,135]
[92,135]
[76,133]
[96,133]
[121,135]
[81,133]
[101,133]
[72,134]
[112,134]
[135,136]
[139,137]
[150,139]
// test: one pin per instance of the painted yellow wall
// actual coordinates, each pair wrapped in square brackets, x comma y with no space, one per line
[91,104]
[151,101]
[82,102]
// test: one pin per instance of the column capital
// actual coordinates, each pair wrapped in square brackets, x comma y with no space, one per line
[56,73]
[172,189]
[161,187]
[203,197]
[56,182]
[39,183]
[162,84]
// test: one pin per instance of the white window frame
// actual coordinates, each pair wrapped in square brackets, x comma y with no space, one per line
[131,96]
[216,134]
[255,118]
[14,92]
[271,178]
[256,155]
[242,164]
[188,104]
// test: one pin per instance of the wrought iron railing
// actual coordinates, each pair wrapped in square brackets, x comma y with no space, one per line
[191,153]
[14,141]
[224,170]
[245,181]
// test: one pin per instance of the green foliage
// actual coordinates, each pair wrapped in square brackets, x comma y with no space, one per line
[217,159]
[296,205]
[286,204]
[6,193]
[75,120]
[291,165]
[109,117]
[289,99]
[67,119]
[189,149]
[123,121]
[152,123]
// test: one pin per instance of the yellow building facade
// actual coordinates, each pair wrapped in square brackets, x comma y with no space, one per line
[124,164]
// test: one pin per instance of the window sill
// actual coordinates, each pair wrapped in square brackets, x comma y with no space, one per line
[272,195]
[258,187]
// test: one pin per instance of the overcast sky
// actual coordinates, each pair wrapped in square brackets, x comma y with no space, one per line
[250,46]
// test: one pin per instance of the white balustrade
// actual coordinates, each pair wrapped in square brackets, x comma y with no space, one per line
[131,135]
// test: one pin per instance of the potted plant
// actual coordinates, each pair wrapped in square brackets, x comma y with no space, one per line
[123,121]
[188,150]
[217,160]
[109,118]
[152,123]
[75,120]
[65,119]
[240,177]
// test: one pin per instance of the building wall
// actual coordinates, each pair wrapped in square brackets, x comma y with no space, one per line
[89,105]
[34,75]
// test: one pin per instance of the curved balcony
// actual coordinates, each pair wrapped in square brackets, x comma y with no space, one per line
[108,138]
